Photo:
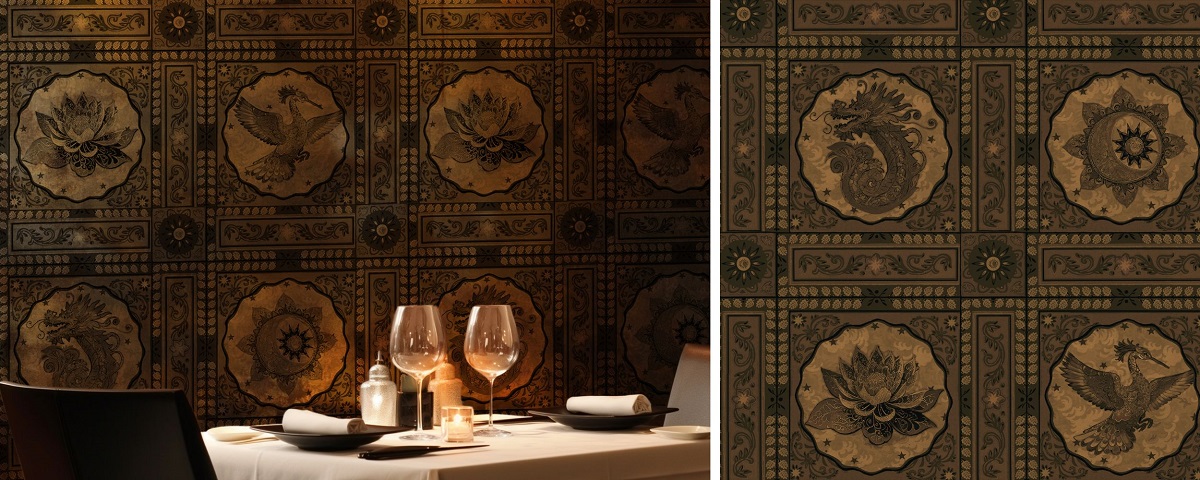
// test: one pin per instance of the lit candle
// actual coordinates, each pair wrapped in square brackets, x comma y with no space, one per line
[457,424]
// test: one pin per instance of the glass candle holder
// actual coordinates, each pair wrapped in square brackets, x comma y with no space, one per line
[458,424]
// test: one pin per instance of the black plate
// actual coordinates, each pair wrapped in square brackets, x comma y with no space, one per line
[583,421]
[318,441]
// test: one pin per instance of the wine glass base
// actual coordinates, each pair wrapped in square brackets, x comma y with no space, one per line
[421,436]
[492,432]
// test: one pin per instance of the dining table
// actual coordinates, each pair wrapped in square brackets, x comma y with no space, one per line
[535,450]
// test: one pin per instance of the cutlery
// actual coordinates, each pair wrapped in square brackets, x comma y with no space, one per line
[407,451]
[263,438]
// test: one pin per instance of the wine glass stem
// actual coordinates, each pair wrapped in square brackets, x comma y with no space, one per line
[420,427]
[491,401]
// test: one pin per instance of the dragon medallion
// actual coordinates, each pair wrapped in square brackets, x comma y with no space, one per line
[1122,397]
[285,344]
[79,337]
[485,131]
[79,136]
[666,129]
[873,146]
[873,397]
[1123,146]
[285,133]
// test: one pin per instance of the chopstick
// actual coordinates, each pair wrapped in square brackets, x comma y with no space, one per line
[261,438]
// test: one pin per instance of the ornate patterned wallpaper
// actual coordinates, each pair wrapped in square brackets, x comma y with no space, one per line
[958,239]
[230,197]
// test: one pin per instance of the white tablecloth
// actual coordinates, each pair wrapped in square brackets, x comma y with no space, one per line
[535,451]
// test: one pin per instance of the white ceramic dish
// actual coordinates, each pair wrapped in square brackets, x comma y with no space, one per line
[683,432]
[232,433]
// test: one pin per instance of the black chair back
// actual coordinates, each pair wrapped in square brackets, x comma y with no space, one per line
[72,434]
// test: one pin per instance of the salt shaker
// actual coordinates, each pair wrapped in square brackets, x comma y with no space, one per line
[378,395]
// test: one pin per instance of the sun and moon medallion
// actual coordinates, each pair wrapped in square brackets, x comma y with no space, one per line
[873,397]
[873,146]
[1122,397]
[1123,146]
[285,343]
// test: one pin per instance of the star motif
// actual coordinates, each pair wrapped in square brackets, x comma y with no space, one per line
[827,442]
[806,387]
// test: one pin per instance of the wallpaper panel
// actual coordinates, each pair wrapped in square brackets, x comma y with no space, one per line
[957,239]
[231,197]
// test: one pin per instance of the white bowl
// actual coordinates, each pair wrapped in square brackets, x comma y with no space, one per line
[232,433]
[683,432]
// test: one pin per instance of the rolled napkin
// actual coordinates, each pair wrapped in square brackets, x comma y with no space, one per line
[304,421]
[614,405]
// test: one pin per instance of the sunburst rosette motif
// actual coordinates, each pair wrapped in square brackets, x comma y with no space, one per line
[579,21]
[178,23]
[992,20]
[743,20]
[79,337]
[873,146]
[1122,397]
[1123,146]
[285,344]
[381,22]
[745,265]
[485,131]
[79,136]
[873,397]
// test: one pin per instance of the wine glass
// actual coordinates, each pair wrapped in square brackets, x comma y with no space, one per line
[418,345]
[491,349]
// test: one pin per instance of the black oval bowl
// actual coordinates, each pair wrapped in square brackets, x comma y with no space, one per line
[326,442]
[583,421]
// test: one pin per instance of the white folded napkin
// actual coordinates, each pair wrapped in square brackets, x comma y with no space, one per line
[304,421]
[614,405]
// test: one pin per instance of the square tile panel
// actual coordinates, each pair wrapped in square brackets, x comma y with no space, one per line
[1063,184]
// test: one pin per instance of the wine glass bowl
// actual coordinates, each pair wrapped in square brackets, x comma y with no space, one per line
[491,348]
[417,348]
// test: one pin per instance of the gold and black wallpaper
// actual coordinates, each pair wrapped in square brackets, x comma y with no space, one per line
[230,197]
[959,239]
